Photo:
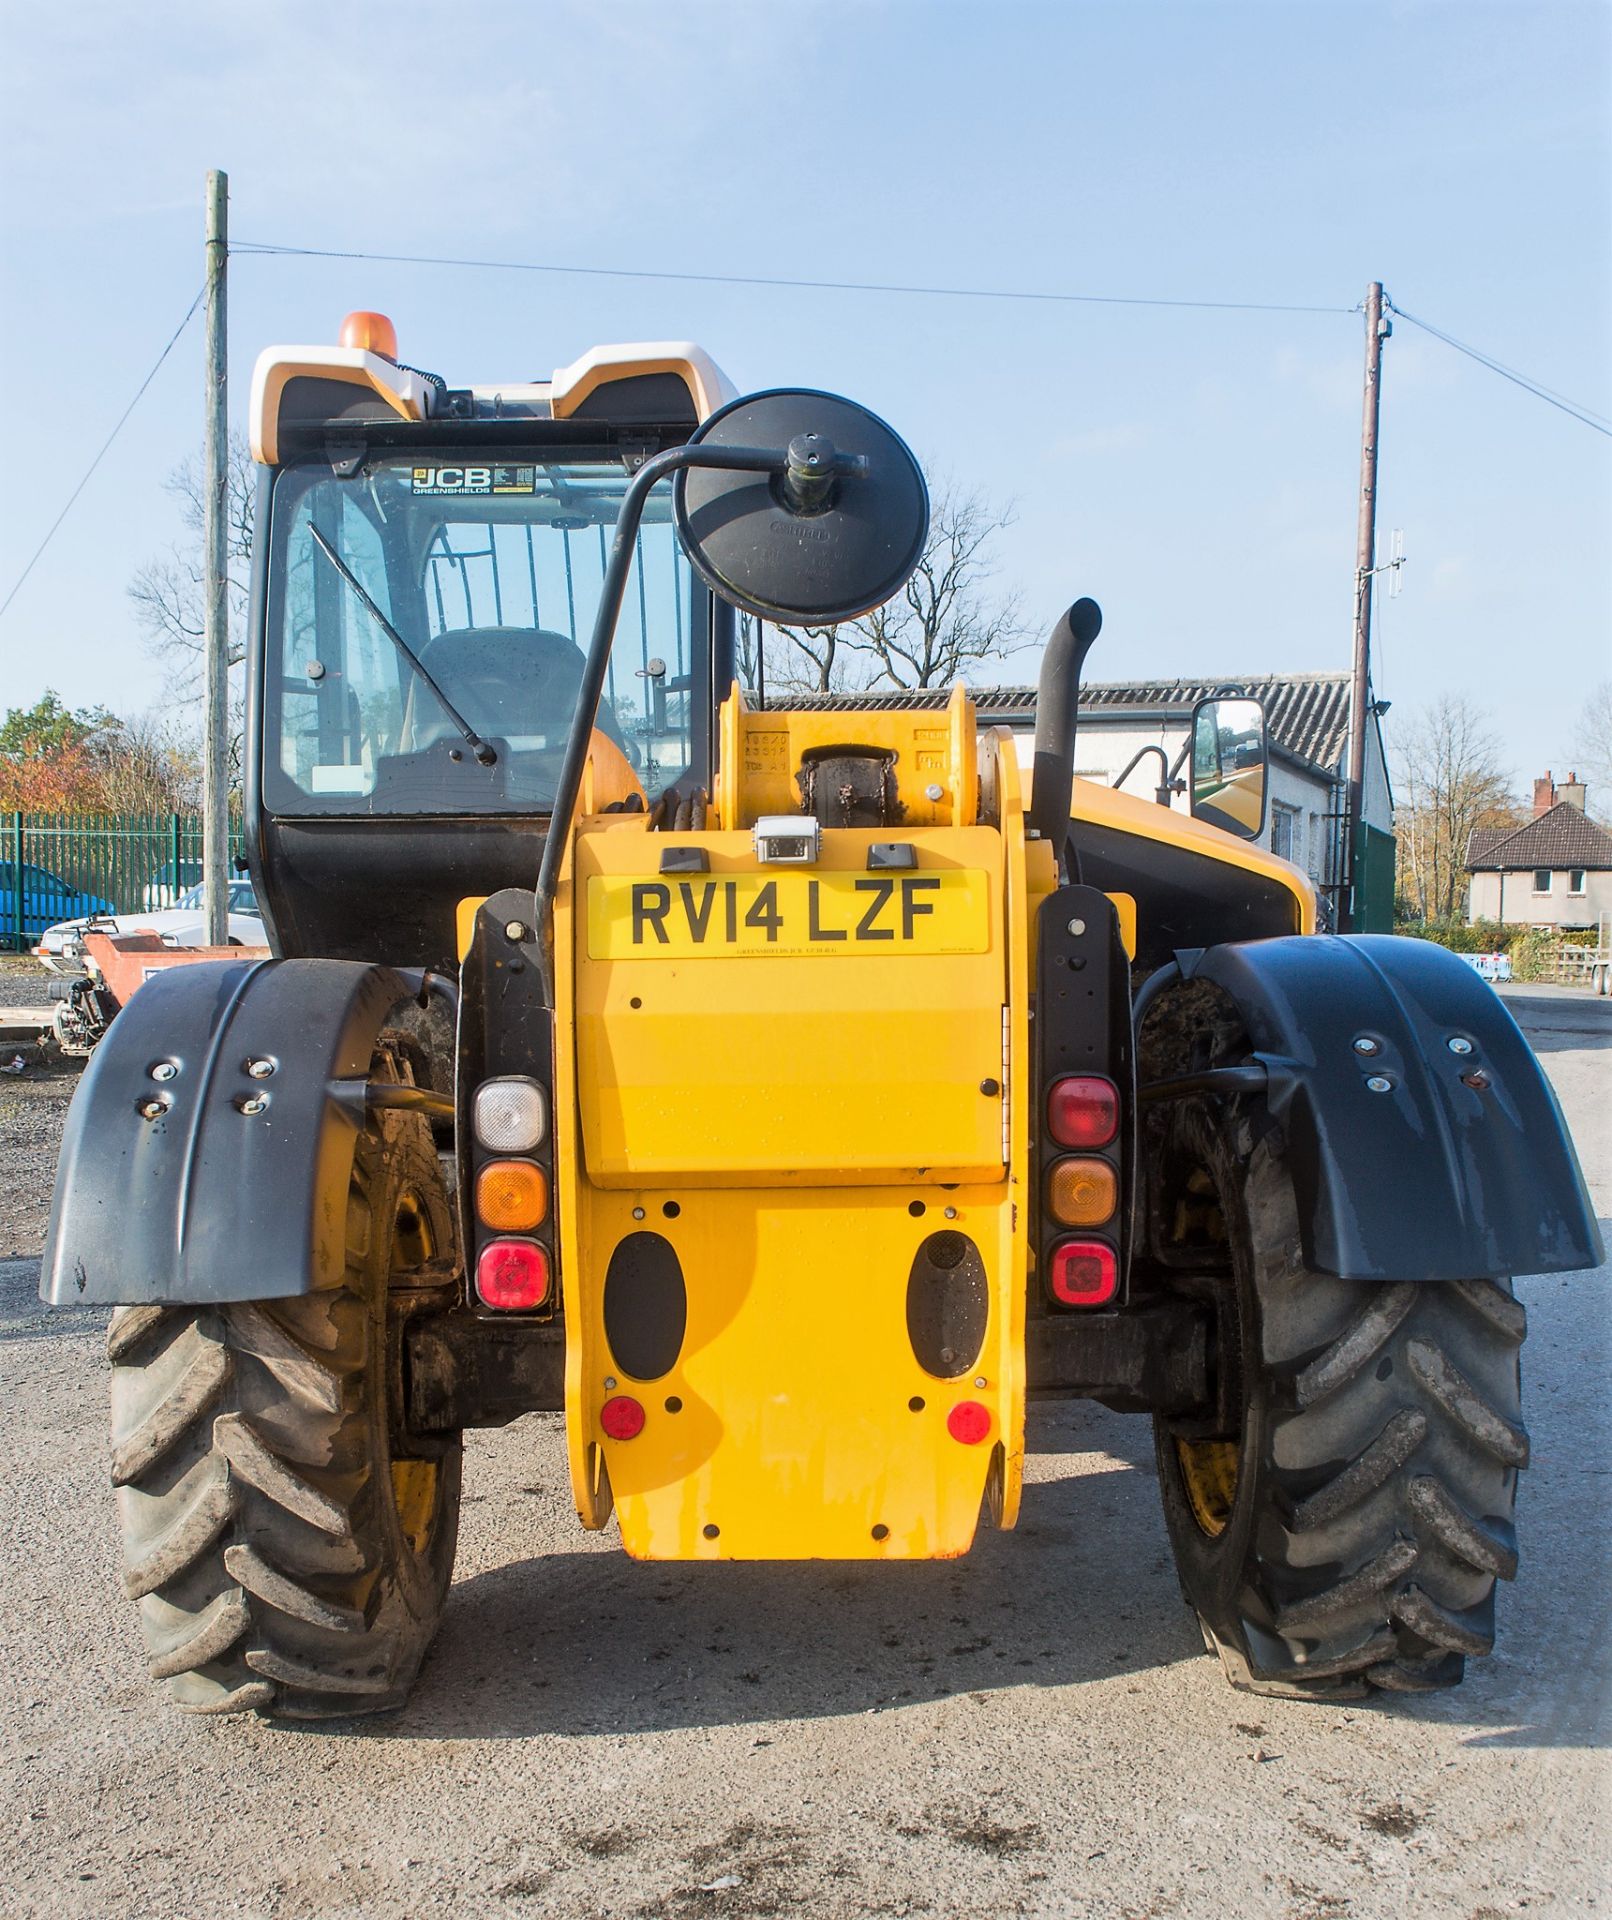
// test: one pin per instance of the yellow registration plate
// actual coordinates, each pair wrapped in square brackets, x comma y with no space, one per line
[724,916]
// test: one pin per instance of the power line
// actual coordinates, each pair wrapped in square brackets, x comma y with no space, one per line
[1571,407]
[758,280]
[89,471]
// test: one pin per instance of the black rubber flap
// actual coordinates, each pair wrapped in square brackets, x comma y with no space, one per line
[948,1304]
[853,553]
[645,1306]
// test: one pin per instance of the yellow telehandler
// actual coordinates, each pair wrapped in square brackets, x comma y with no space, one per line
[785,1096]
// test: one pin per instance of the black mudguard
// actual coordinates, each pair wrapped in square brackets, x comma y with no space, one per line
[1463,1168]
[166,1190]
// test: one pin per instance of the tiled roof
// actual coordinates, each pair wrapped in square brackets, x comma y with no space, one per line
[1308,713]
[1560,837]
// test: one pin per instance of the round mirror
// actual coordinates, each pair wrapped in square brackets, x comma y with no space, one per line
[804,547]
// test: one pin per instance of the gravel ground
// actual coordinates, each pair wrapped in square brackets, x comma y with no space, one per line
[33,1105]
[1032,1730]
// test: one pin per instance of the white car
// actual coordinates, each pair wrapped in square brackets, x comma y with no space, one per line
[61,947]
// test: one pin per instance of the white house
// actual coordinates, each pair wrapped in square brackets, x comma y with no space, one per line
[1555,871]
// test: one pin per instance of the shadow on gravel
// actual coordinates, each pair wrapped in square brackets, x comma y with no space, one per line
[582,1643]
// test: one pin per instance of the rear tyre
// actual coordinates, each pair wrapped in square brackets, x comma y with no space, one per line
[1344,1528]
[289,1546]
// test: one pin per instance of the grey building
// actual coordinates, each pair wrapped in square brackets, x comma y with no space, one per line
[1308,718]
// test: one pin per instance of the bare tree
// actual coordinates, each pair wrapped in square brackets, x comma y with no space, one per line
[1592,749]
[167,592]
[945,620]
[150,764]
[1450,781]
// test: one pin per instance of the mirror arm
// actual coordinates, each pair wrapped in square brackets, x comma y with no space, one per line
[568,789]
[1168,783]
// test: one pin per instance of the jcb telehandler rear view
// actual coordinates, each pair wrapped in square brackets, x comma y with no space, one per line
[785,1096]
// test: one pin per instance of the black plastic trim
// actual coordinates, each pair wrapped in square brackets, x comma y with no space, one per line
[1458,1165]
[185,1177]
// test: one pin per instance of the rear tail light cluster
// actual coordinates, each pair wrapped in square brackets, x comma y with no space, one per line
[1081,1191]
[513,1161]
[1084,1050]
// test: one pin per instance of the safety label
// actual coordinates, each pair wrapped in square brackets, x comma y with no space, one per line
[795,915]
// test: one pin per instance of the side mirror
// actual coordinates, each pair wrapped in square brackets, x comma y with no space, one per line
[837,533]
[1229,762]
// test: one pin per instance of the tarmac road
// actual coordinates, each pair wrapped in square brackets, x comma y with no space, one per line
[1033,1730]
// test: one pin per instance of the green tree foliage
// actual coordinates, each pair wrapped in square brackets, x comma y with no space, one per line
[59,759]
[50,724]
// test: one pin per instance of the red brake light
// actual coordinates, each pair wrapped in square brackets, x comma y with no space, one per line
[622,1418]
[1083,1111]
[969,1422]
[1083,1273]
[512,1275]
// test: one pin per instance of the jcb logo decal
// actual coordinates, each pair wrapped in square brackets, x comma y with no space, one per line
[453,480]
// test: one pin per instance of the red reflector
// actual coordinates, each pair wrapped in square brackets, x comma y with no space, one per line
[622,1418]
[969,1422]
[1083,1273]
[1083,1111]
[512,1275]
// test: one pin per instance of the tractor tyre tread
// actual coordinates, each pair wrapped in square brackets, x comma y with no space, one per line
[251,1454]
[1381,1440]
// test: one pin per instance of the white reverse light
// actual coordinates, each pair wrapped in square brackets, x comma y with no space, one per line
[511,1116]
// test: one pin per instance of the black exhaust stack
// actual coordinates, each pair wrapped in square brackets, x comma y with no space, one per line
[1056,706]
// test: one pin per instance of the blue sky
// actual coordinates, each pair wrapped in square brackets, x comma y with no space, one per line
[1194,471]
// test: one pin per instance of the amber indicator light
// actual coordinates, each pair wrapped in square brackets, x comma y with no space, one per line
[1082,1193]
[512,1196]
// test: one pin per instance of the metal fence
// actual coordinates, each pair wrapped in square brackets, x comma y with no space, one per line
[63,866]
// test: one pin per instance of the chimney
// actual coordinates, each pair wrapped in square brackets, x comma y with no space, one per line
[1544,795]
[1573,791]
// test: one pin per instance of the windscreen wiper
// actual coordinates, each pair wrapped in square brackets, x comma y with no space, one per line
[486,755]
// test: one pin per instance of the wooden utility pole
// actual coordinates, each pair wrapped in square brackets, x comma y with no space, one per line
[1365,564]
[215,574]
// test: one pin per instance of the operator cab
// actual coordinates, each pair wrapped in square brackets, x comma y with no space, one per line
[430,563]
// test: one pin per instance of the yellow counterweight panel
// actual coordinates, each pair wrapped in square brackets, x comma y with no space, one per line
[782,1026]
[786,1427]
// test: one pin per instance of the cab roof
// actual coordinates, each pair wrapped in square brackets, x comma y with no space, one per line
[302,395]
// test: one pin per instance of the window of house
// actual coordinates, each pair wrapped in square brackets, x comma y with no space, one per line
[1541,879]
[1575,880]
[1284,831]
